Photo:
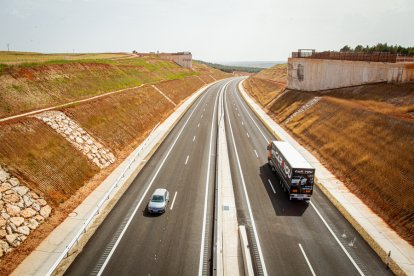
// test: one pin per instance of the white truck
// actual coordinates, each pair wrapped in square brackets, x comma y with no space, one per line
[296,174]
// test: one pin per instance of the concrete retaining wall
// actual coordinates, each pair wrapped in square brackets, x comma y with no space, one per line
[321,74]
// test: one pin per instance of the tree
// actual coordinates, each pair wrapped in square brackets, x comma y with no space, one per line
[359,48]
[346,48]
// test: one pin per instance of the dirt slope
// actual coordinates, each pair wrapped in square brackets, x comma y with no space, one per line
[364,135]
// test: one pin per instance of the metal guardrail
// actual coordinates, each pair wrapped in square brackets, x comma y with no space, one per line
[96,211]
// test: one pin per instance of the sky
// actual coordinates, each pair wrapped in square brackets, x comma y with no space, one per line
[213,30]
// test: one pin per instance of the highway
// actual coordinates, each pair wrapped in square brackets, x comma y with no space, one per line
[289,238]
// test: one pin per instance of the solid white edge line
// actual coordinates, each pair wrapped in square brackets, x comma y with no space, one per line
[242,123]
[146,191]
[271,185]
[307,260]
[172,204]
[203,231]
[198,125]
[194,138]
[248,136]
[337,240]
[254,122]
[311,203]
[256,153]
[186,160]
[259,248]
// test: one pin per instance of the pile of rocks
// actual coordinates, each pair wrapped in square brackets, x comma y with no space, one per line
[21,211]
[78,137]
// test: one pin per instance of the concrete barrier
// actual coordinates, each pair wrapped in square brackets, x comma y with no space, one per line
[247,257]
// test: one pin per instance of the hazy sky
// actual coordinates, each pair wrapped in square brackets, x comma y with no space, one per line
[212,30]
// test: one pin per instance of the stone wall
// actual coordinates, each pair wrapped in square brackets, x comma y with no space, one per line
[78,137]
[320,74]
[22,211]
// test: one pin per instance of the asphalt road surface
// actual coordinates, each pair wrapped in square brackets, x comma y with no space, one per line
[288,238]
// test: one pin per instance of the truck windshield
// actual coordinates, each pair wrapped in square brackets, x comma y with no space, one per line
[157,198]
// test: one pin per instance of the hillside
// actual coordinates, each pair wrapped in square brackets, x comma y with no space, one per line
[62,155]
[363,134]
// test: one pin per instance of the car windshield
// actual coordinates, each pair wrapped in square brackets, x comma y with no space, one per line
[157,198]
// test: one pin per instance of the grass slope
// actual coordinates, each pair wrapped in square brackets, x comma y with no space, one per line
[32,86]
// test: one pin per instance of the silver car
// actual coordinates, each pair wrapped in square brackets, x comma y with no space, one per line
[159,200]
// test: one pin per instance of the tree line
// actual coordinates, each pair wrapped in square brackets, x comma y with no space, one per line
[380,47]
[231,69]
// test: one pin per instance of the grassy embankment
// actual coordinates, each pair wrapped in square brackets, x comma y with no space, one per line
[363,134]
[50,165]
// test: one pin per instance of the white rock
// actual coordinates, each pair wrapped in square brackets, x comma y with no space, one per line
[39,218]
[14,181]
[5,215]
[17,221]
[36,206]
[41,202]
[27,200]
[33,224]
[45,211]
[4,245]
[11,238]
[11,197]
[12,210]
[79,140]
[28,213]
[24,230]
[13,227]
[23,238]
[33,195]
[9,230]
[21,190]
[4,187]
[4,176]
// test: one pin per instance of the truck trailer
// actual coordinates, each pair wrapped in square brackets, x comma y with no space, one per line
[296,174]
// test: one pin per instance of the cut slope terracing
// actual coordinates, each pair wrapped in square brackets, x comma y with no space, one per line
[56,158]
[364,135]
[31,86]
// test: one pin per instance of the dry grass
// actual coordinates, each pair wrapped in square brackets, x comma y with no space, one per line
[277,73]
[373,155]
[20,57]
[263,90]
[43,159]
[122,120]
[178,90]
[287,104]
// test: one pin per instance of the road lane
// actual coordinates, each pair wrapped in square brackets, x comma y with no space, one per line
[284,224]
[167,244]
